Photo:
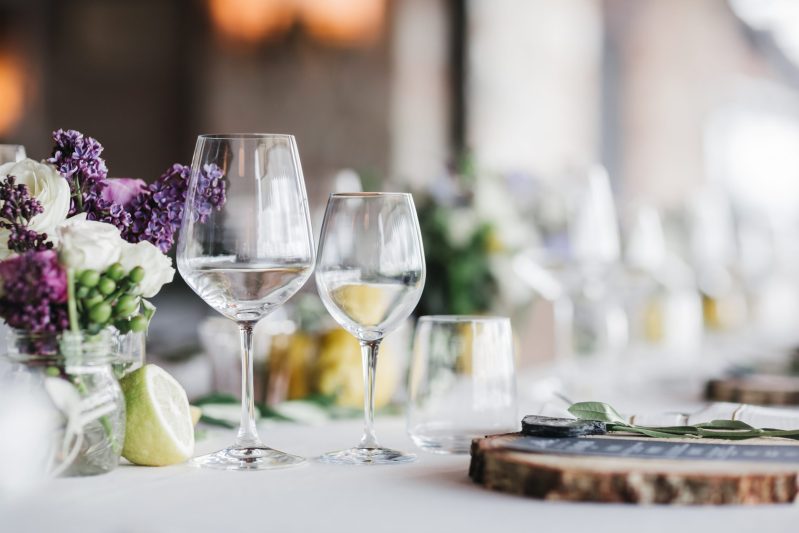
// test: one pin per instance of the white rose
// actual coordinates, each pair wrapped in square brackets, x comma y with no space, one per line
[88,244]
[157,267]
[48,187]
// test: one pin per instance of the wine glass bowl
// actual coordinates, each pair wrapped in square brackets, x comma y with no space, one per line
[247,257]
[370,274]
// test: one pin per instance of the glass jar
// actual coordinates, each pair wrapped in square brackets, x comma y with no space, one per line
[74,372]
[129,351]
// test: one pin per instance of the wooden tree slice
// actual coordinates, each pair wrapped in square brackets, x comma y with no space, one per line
[757,389]
[632,480]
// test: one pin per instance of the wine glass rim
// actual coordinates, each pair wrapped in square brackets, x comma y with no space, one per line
[245,136]
[462,318]
[367,194]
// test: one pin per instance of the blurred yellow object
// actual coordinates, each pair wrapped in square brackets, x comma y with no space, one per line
[339,372]
[724,313]
[463,363]
[302,348]
[494,244]
[290,365]
[653,320]
[367,305]
[196,414]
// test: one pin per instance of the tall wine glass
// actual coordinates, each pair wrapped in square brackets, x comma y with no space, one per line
[370,273]
[248,257]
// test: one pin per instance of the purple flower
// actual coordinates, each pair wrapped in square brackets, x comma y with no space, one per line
[210,192]
[152,213]
[157,213]
[77,158]
[18,208]
[121,191]
[34,292]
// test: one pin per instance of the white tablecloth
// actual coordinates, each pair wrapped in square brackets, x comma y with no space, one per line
[432,494]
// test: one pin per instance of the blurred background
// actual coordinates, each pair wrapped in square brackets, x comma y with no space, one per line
[621,177]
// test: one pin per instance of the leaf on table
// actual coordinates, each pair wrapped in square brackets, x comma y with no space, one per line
[784,433]
[598,411]
[649,432]
[729,433]
[211,421]
[688,431]
[724,424]
[216,397]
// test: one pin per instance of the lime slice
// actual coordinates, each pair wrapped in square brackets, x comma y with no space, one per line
[196,414]
[159,429]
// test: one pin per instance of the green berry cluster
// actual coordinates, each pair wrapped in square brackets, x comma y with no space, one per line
[110,298]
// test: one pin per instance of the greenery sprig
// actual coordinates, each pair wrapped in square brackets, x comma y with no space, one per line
[715,429]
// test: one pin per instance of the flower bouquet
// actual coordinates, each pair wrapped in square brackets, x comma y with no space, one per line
[80,254]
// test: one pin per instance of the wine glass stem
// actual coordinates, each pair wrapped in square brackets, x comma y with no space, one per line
[248,435]
[369,355]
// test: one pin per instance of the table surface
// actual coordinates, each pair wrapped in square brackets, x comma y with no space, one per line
[432,494]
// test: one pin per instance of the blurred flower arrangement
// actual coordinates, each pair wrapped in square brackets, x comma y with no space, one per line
[470,228]
[81,251]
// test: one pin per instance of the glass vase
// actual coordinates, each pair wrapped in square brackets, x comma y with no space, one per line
[73,371]
[129,350]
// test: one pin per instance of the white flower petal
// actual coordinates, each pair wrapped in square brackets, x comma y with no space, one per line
[88,244]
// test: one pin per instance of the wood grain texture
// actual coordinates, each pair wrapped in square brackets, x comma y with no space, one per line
[627,480]
[755,389]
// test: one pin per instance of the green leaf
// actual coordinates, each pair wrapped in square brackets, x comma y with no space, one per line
[729,433]
[216,397]
[724,424]
[269,412]
[784,433]
[598,411]
[649,432]
[689,431]
[715,429]
[217,422]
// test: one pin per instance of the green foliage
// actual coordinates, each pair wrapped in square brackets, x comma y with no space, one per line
[601,412]
[459,279]
[715,429]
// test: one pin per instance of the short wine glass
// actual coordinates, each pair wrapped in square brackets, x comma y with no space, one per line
[370,274]
[247,257]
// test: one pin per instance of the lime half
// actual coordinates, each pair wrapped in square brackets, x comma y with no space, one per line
[159,429]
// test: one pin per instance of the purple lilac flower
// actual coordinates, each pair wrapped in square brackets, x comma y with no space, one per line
[157,213]
[210,192]
[152,213]
[18,208]
[77,158]
[121,191]
[34,292]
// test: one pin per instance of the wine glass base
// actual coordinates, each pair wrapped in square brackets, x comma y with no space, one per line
[247,458]
[367,456]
